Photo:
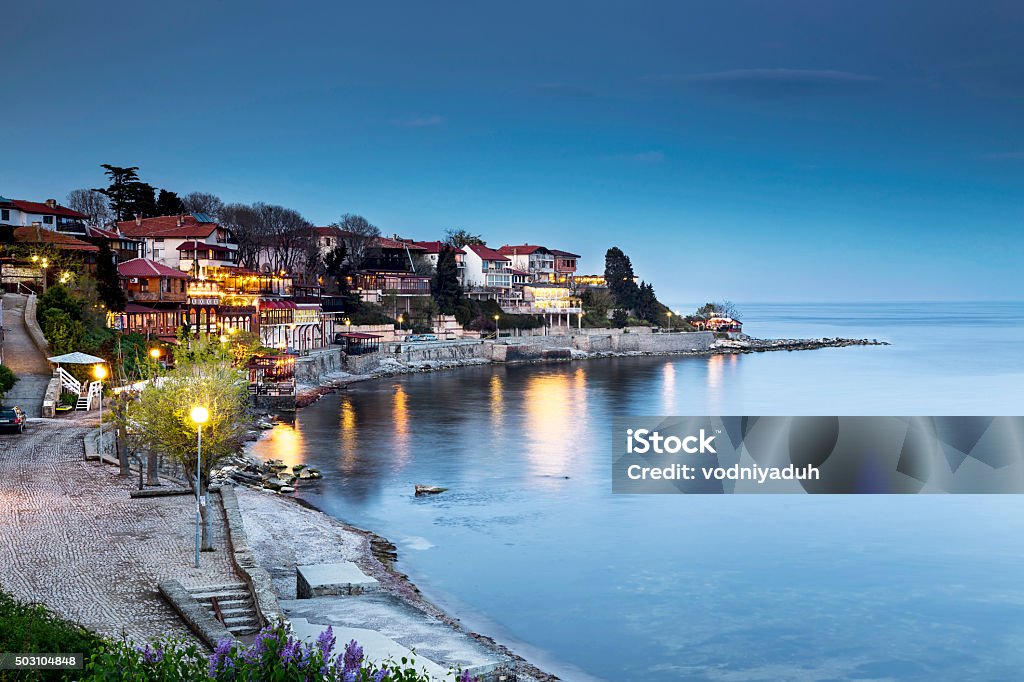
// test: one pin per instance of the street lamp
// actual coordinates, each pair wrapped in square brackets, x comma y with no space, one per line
[199,415]
[154,353]
[100,372]
[497,331]
[401,319]
[223,339]
[669,313]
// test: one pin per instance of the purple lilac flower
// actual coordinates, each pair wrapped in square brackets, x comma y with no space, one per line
[290,651]
[259,646]
[465,677]
[220,653]
[154,655]
[353,658]
[326,641]
[381,675]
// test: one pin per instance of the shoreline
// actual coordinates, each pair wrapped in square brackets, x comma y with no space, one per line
[375,554]
[379,555]
[307,394]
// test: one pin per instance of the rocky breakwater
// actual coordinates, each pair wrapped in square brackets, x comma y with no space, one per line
[750,345]
[272,474]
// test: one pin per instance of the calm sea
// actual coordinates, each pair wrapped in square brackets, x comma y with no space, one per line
[530,546]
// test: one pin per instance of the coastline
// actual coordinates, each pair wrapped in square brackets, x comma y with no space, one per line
[286,531]
[307,394]
[375,554]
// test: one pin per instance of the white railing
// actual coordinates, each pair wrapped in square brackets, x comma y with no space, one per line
[70,384]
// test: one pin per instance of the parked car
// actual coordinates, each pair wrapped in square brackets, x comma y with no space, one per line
[13,418]
[428,337]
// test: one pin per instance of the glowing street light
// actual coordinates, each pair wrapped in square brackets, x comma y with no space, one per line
[100,373]
[401,319]
[199,415]
[497,330]
[223,338]
[669,313]
[154,353]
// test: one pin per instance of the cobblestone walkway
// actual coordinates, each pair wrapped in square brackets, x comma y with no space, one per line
[24,359]
[72,538]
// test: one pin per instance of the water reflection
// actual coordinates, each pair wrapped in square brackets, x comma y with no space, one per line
[286,444]
[349,442]
[400,419]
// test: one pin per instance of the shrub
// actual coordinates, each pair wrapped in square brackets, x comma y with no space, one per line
[274,655]
[31,629]
[7,379]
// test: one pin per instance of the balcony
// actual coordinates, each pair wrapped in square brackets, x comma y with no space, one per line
[150,296]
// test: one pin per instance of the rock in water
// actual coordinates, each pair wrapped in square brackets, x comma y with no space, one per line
[429,489]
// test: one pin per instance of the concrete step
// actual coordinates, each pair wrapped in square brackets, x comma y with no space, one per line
[242,630]
[240,621]
[222,595]
[214,588]
[404,626]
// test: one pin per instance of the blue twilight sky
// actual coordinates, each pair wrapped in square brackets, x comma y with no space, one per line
[754,151]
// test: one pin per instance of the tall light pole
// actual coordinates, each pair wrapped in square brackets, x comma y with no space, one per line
[199,415]
[100,372]
[497,331]
[669,313]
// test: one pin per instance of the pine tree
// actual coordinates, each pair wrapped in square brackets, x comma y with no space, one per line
[108,284]
[168,203]
[444,285]
[618,274]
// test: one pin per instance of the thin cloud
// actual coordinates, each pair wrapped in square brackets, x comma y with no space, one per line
[565,90]
[1004,156]
[648,157]
[772,83]
[420,122]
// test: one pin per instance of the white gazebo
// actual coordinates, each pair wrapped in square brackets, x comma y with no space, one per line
[85,394]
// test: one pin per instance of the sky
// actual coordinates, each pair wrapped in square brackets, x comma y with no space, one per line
[752,151]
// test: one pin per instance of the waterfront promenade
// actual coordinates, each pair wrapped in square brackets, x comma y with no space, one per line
[72,539]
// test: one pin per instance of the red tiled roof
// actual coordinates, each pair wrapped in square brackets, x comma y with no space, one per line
[203,246]
[563,254]
[388,243]
[521,250]
[135,308]
[63,242]
[524,273]
[167,226]
[144,267]
[327,231]
[104,233]
[485,253]
[43,208]
[433,247]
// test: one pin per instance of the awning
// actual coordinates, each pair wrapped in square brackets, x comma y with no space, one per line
[76,358]
[359,335]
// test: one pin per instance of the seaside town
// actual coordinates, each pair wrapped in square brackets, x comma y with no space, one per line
[147,337]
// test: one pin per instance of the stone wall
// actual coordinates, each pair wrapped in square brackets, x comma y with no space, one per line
[310,368]
[32,326]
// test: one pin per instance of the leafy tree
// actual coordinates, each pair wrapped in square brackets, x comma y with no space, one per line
[647,306]
[91,203]
[107,280]
[246,226]
[444,285]
[285,237]
[460,238]
[203,202]
[160,418]
[63,333]
[128,196]
[618,274]
[620,318]
[59,297]
[724,308]
[169,203]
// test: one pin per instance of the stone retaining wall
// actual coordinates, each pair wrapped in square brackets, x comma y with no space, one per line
[267,607]
[309,369]
[208,628]
[34,332]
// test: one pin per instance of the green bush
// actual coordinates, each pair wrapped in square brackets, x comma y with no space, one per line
[31,629]
[7,379]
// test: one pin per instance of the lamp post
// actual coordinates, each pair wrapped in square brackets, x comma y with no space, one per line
[497,331]
[669,313]
[100,372]
[199,415]
[401,319]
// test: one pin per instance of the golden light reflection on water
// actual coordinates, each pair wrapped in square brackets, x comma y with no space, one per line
[555,405]
[497,388]
[285,443]
[400,419]
[349,434]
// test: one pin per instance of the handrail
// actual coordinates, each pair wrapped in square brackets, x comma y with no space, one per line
[69,382]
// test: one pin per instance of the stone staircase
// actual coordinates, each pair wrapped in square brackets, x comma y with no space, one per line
[230,604]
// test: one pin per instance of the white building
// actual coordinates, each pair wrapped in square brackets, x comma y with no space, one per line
[48,214]
[485,267]
[185,242]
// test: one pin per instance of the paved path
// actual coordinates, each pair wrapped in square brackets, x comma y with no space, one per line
[72,538]
[24,359]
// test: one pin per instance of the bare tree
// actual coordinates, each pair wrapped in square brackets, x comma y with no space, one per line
[286,237]
[358,236]
[245,224]
[204,202]
[92,204]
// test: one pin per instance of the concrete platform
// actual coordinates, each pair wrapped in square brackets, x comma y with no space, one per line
[341,578]
[376,647]
[398,622]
